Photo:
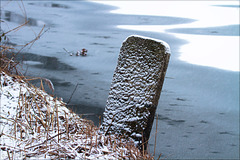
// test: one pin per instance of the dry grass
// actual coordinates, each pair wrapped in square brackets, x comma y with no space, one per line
[44,127]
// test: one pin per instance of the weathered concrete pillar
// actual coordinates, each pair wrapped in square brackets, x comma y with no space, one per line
[136,88]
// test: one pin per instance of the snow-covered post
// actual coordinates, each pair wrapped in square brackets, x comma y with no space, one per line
[136,88]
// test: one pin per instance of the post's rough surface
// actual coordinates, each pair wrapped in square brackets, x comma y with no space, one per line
[136,88]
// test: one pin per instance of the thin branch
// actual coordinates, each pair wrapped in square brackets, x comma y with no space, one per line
[46,140]
[155,143]
[33,41]
[16,28]
[72,94]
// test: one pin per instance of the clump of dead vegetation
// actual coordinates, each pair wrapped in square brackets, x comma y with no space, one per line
[40,126]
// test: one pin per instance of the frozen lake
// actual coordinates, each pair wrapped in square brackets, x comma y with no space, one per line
[198,112]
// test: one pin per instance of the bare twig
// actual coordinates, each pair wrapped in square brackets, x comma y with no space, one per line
[18,27]
[8,155]
[155,143]
[34,40]
[109,125]
[45,140]
[72,93]
[159,156]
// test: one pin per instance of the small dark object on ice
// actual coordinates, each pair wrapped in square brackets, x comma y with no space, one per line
[78,53]
[83,52]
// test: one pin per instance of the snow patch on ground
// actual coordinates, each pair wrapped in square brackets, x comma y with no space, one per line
[35,125]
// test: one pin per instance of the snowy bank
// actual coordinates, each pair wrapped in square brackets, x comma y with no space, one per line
[36,125]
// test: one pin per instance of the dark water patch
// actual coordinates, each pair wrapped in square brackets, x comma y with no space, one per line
[215,152]
[168,110]
[20,19]
[178,121]
[202,121]
[175,122]
[174,104]
[82,33]
[186,136]
[231,6]
[191,148]
[98,44]
[168,120]
[225,133]
[95,73]
[230,30]
[181,99]
[161,117]
[113,47]
[104,37]
[51,5]
[169,77]
[51,63]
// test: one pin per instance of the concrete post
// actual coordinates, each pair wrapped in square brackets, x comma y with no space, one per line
[136,88]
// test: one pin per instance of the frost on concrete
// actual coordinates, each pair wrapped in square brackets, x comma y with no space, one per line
[136,88]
